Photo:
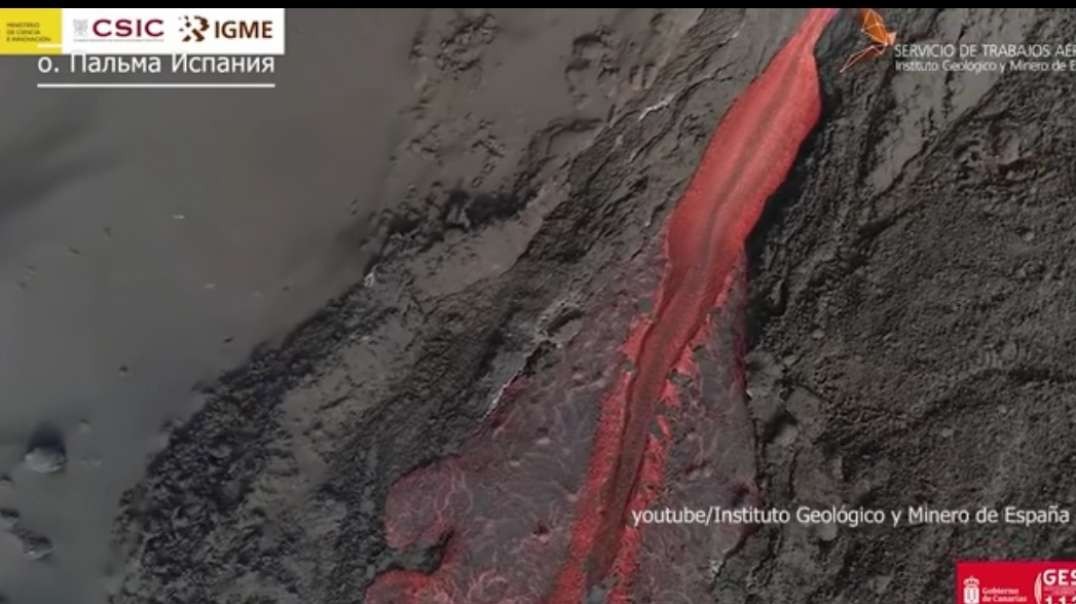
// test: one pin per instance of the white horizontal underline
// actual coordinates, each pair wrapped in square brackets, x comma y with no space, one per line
[99,85]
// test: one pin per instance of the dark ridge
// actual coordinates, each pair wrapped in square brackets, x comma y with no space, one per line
[759,311]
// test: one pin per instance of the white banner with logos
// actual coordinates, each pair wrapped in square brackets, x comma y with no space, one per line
[165,31]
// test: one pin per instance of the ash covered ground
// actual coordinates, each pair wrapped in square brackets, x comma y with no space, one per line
[907,321]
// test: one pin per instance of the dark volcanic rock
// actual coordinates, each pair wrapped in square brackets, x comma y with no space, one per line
[35,546]
[917,273]
[9,518]
[46,453]
[45,460]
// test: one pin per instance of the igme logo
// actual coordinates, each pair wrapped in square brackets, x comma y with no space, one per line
[194,28]
[197,28]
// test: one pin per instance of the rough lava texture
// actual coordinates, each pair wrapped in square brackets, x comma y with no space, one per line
[908,342]
[912,303]
[537,506]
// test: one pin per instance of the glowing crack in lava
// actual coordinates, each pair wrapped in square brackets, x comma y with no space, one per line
[538,506]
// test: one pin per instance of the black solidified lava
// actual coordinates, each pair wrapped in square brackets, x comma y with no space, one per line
[45,453]
[910,343]
[8,518]
[35,546]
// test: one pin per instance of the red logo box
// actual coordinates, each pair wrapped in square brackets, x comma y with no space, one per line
[1016,582]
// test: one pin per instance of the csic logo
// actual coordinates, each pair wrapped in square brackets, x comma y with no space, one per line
[971,590]
[120,29]
[197,28]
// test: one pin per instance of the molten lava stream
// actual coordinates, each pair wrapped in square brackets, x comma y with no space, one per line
[518,520]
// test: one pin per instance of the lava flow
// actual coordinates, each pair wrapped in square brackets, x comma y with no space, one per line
[539,506]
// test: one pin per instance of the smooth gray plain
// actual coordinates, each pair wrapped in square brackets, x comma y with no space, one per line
[150,239]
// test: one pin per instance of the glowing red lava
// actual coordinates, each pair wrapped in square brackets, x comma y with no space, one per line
[538,506]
